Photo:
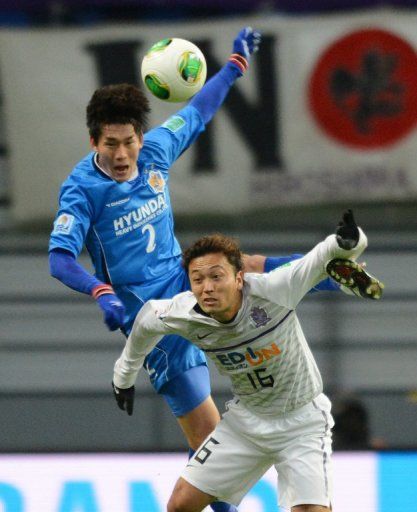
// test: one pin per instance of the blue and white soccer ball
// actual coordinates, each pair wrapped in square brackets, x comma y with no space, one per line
[174,69]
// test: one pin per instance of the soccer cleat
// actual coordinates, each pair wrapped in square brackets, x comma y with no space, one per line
[353,276]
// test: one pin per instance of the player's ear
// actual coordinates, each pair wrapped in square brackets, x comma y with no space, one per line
[239,279]
[140,140]
[93,144]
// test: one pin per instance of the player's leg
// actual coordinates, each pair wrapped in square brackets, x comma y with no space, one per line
[199,422]
[188,396]
[227,464]
[187,498]
[254,263]
[304,465]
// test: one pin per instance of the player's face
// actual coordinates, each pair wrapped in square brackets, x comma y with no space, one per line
[118,150]
[216,285]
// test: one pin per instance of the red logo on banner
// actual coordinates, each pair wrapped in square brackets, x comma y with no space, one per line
[363,90]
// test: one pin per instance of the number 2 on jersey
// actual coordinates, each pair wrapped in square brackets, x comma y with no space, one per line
[152,235]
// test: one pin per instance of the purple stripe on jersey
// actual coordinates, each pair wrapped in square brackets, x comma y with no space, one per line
[248,341]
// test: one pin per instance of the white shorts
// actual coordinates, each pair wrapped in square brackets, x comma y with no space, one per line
[244,446]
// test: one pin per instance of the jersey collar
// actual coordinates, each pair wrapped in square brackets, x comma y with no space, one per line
[235,320]
[101,170]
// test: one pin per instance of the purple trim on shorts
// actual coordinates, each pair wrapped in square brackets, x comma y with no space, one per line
[325,461]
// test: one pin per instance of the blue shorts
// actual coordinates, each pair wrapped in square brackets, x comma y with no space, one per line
[188,390]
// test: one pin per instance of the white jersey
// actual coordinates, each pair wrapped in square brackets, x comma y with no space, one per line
[263,350]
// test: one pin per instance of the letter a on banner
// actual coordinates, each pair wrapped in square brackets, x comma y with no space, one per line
[78,497]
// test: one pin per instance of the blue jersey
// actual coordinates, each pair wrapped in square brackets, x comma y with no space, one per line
[128,230]
[128,227]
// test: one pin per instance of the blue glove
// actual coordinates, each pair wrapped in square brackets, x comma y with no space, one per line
[113,310]
[111,305]
[247,42]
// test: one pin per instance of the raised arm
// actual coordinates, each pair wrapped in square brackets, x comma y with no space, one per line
[259,264]
[289,284]
[214,92]
[180,130]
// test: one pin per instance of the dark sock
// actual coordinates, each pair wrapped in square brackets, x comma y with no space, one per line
[221,506]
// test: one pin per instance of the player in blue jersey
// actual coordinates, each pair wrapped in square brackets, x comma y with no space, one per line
[116,203]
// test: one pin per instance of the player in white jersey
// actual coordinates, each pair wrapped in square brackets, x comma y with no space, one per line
[249,328]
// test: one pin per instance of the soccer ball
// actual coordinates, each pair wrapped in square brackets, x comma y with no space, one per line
[174,69]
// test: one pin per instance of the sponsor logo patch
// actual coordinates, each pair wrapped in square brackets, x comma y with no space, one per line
[135,219]
[248,358]
[63,224]
[174,123]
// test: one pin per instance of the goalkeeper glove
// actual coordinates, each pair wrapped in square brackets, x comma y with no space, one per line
[110,304]
[247,42]
[124,398]
[347,232]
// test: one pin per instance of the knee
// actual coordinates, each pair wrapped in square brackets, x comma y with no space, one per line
[187,498]
[177,504]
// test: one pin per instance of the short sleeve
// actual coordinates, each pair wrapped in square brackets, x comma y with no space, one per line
[73,219]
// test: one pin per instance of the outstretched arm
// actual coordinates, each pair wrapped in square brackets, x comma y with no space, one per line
[64,267]
[259,264]
[290,283]
[214,92]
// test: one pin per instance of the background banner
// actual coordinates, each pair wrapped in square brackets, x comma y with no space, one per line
[366,481]
[326,114]
[143,483]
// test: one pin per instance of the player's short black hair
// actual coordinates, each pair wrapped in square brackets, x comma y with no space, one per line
[215,243]
[117,104]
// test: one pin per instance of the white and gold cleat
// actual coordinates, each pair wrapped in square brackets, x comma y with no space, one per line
[353,276]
